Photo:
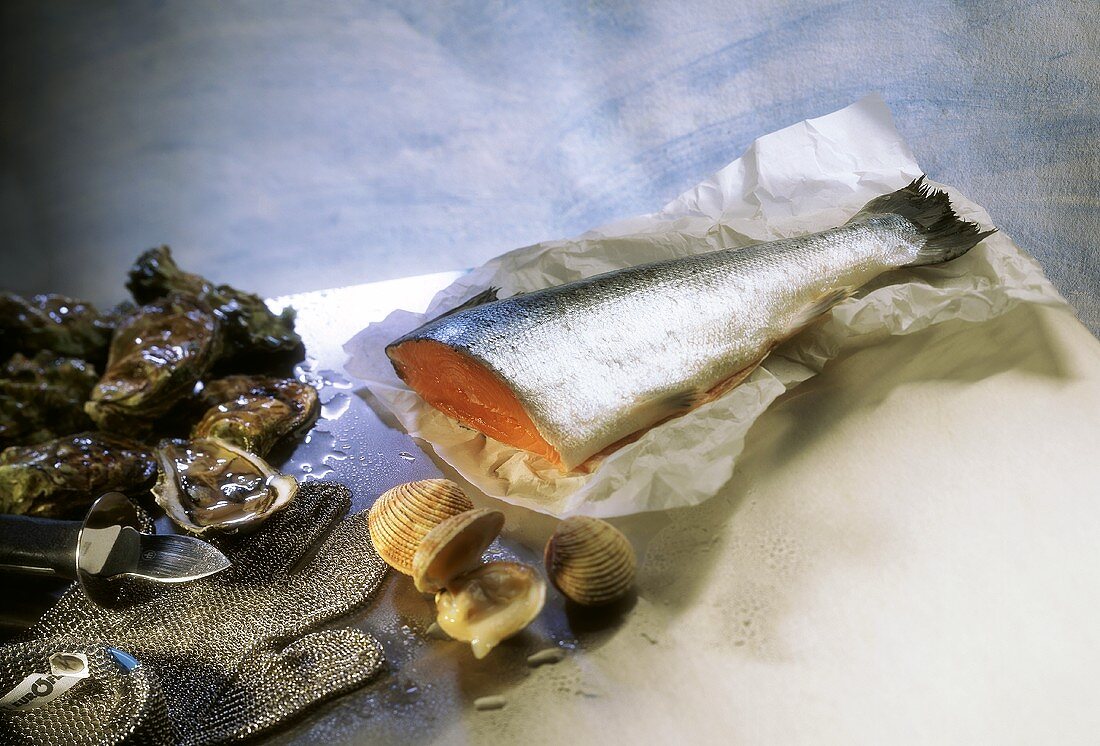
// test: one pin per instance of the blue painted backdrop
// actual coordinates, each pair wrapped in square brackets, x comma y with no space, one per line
[296,146]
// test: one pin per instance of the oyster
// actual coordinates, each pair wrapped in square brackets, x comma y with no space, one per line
[490,604]
[250,325]
[255,412]
[43,397]
[52,322]
[61,478]
[158,353]
[208,485]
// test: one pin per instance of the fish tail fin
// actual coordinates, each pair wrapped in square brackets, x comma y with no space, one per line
[945,235]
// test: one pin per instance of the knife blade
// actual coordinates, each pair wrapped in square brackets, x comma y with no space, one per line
[104,548]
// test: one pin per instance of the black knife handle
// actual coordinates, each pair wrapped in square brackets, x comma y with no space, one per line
[39,546]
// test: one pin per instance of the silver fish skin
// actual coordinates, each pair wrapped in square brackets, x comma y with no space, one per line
[600,360]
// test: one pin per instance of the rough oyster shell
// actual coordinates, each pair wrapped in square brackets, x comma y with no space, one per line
[490,604]
[66,326]
[454,547]
[401,518]
[590,561]
[43,397]
[250,326]
[208,485]
[158,353]
[61,478]
[255,412]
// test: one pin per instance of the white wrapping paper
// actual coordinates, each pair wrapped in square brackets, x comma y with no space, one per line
[801,179]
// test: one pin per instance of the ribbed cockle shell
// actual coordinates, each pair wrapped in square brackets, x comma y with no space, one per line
[454,547]
[401,518]
[590,561]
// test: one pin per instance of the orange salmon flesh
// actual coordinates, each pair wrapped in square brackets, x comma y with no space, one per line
[462,388]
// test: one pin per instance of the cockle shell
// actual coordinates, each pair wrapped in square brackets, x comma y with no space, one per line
[489,604]
[401,518]
[454,547]
[590,561]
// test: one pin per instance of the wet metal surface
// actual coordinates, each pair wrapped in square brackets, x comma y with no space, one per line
[428,677]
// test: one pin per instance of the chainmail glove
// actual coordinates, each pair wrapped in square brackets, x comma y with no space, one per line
[227,656]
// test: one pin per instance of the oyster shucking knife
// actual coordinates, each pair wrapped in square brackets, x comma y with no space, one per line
[105,547]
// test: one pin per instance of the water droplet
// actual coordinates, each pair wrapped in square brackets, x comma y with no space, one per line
[407,456]
[335,407]
[334,379]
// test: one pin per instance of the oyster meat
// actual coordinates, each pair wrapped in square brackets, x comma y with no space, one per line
[255,412]
[52,322]
[60,478]
[158,353]
[250,326]
[43,397]
[209,485]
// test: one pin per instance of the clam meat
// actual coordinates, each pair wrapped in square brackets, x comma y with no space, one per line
[490,604]
[60,478]
[255,412]
[207,485]
[157,354]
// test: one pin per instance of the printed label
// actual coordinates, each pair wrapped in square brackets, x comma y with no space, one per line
[37,690]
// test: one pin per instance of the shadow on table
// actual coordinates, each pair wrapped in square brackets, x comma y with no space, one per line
[682,545]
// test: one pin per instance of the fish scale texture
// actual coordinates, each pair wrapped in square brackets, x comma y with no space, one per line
[595,361]
[221,658]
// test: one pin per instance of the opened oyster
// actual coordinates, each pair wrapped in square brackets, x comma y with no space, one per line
[43,397]
[251,328]
[52,322]
[209,485]
[255,412]
[61,478]
[158,353]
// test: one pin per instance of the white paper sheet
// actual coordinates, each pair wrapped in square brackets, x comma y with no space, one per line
[801,179]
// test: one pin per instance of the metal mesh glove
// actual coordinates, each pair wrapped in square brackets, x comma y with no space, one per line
[232,652]
[110,701]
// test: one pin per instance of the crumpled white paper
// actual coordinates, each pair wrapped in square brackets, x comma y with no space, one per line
[801,179]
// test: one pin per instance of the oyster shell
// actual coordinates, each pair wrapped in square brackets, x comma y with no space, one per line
[58,323]
[490,604]
[255,412]
[208,485]
[158,353]
[43,397]
[454,547]
[61,478]
[401,517]
[590,561]
[251,328]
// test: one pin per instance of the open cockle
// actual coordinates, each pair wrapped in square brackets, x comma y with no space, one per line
[454,547]
[481,604]
[490,604]
[590,561]
[401,518]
